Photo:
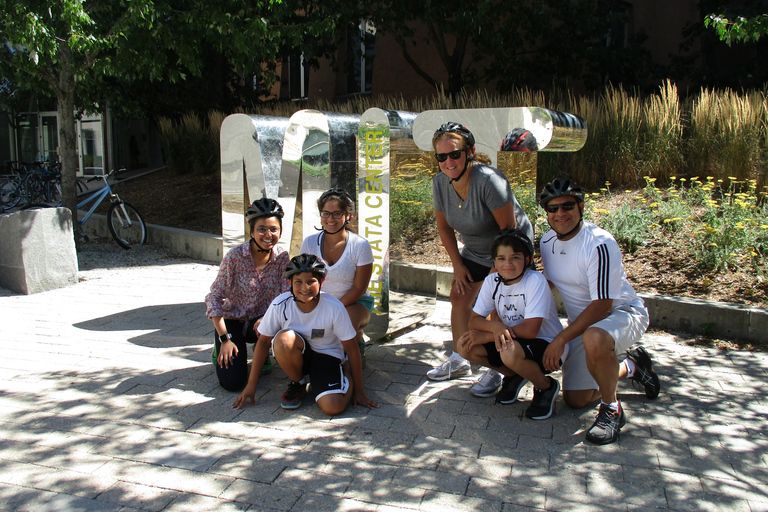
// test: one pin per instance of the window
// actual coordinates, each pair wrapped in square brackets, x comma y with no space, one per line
[361,41]
[298,77]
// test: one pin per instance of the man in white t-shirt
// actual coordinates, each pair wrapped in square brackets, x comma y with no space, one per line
[605,315]
[311,334]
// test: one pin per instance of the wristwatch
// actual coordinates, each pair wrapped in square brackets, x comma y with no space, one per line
[225,337]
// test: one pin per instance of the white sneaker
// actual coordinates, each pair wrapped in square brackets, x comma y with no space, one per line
[488,384]
[450,369]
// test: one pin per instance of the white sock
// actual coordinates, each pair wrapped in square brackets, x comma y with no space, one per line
[614,406]
[456,357]
[630,366]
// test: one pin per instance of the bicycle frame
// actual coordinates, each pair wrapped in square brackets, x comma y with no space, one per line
[98,196]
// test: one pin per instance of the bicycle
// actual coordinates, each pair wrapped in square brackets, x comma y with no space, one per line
[33,185]
[125,223]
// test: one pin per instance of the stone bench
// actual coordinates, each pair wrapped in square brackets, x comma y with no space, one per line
[37,250]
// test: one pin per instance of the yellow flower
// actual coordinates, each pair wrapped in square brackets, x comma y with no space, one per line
[682,179]
[673,178]
[653,205]
[732,178]
[713,244]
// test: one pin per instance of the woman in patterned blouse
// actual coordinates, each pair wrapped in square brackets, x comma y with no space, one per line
[250,276]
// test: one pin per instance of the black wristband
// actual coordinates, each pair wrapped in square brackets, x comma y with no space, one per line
[225,337]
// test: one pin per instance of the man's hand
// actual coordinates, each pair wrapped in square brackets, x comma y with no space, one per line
[241,400]
[553,354]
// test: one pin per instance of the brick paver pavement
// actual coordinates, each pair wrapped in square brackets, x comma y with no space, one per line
[108,401]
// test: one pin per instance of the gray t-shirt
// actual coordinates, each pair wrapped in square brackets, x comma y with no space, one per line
[473,218]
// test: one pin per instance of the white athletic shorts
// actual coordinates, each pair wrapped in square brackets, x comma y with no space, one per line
[625,325]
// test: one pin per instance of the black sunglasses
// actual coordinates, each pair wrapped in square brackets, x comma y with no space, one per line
[567,206]
[442,157]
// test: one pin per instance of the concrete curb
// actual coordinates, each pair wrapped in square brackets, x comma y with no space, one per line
[676,314]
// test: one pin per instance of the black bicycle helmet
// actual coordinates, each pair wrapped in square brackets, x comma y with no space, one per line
[503,238]
[305,263]
[519,139]
[560,188]
[264,207]
[451,127]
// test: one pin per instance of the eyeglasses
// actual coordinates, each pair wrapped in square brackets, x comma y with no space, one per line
[442,157]
[336,215]
[567,206]
[263,231]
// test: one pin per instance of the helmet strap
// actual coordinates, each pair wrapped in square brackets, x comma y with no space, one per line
[342,228]
[258,247]
[466,166]
[576,228]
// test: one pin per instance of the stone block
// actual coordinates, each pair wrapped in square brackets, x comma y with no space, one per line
[37,252]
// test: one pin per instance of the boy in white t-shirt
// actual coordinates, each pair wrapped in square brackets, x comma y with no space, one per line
[311,334]
[514,344]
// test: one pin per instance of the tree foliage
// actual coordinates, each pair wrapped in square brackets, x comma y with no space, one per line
[739,28]
[88,53]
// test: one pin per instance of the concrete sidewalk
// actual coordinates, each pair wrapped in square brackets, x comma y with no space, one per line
[108,401]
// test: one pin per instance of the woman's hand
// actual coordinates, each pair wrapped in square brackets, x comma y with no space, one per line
[227,353]
[361,399]
[248,392]
[462,279]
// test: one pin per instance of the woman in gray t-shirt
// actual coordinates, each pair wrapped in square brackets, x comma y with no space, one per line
[476,201]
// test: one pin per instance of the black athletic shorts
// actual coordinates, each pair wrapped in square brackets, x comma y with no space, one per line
[533,349]
[326,373]
[476,270]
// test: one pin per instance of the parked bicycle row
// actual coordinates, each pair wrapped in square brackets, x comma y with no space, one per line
[39,186]
[23,184]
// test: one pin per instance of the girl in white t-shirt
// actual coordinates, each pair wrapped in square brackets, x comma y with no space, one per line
[347,257]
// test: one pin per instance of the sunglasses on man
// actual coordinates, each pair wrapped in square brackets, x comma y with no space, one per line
[442,157]
[567,206]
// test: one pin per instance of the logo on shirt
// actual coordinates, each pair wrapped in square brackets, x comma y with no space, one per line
[317,333]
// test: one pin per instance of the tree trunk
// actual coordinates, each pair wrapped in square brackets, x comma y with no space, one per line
[65,93]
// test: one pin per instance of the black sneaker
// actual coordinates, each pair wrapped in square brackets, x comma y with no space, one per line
[292,397]
[510,388]
[606,428]
[543,402]
[644,374]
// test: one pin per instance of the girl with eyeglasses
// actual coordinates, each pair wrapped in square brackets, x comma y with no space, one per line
[250,277]
[347,256]
[475,200]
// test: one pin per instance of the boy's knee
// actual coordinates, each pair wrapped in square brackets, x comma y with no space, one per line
[286,341]
[332,404]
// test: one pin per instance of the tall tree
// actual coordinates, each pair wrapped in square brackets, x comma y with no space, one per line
[68,48]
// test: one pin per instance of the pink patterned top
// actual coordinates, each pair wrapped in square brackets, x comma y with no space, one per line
[240,292]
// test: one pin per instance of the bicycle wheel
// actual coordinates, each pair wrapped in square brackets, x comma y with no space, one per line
[9,193]
[127,231]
